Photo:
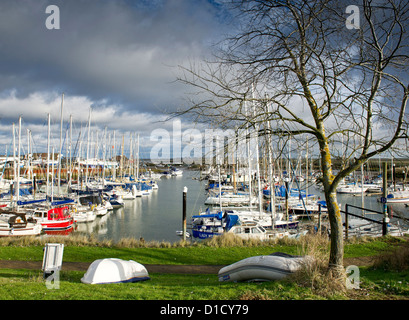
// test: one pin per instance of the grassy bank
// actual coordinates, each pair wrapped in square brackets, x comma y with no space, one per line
[388,279]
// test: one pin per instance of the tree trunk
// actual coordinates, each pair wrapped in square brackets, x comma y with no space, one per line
[334,213]
[337,246]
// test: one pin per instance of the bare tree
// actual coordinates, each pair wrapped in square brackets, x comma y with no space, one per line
[331,78]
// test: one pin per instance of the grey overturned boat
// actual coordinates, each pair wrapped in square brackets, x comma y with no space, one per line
[262,268]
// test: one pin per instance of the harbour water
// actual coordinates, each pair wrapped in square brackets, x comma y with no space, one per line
[158,216]
[154,217]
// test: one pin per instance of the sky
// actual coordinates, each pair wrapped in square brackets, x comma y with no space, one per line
[117,57]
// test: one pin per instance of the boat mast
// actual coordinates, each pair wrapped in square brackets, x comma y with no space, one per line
[48,156]
[220,188]
[362,185]
[79,176]
[248,154]
[60,153]
[86,167]
[122,159]
[270,169]
[14,161]
[114,154]
[306,173]
[52,177]
[103,157]
[18,161]
[137,158]
[257,159]
[28,155]
[70,172]
[130,160]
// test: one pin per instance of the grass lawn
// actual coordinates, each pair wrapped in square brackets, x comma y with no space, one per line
[29,285]
[23,284]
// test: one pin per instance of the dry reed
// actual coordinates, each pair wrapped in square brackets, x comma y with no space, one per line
[314,273]
[225,240]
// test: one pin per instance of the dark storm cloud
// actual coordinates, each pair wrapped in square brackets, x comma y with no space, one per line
[115,52]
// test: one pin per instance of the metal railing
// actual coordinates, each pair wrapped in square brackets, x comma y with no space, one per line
[347,213]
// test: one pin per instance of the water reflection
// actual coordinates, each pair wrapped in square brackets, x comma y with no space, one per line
[158,215]
[152,217]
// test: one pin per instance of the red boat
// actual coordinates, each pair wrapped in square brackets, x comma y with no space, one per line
[57,219]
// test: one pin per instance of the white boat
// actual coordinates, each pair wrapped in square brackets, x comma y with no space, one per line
[58,218]
[400,196]
[115,200]
[92,202]
[83,214]
[229,199]
[265,219]
[112,270]
[137,192]
[124,193]
[180,233]
[253,230]
[14,224]
[262,268]
[214,224]
[176,172]
[154,176]
[351,189]
[307,209]
[361,228]
[106,204]
[375,188]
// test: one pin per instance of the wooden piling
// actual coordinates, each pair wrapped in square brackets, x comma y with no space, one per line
[184,213]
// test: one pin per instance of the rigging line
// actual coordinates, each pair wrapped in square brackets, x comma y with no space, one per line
[299,189]
[197,197]
[76,144]
[4,167]
[62,146]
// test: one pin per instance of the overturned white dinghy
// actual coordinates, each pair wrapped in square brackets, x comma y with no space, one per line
[262,268]
[112,270]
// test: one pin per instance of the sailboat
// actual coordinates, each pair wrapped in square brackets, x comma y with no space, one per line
[13,223]
[175,172]
[398,196]
[352,188]
[230,199]
[13,220]
[58,218]
[54,216]
[267,224]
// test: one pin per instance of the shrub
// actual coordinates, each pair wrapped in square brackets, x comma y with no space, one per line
[397,260]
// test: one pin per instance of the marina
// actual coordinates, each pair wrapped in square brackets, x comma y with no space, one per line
[157,215]
[204,150]
[115,164]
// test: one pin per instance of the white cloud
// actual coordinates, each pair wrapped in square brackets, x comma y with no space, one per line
[116,56]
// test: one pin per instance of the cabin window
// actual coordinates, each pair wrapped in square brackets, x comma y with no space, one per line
[66,213]
[38,214]
[246,230]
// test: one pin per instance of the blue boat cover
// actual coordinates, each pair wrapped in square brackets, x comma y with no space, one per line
[231,220]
